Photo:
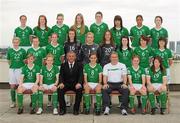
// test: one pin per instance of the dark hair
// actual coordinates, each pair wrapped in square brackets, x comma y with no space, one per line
[99,12]
[72,30]
[161,65]
[93,53]
[22,16]
[46,28]
[162,39]
[118,18]
[145,38]
[55,34]
[159,18]
[111,39]
[34,37]
[120,47]
[139,16]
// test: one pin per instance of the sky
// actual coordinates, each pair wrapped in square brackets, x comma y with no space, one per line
[10,10]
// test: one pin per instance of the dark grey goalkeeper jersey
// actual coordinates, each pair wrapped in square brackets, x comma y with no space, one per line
[104,52]
[86,50]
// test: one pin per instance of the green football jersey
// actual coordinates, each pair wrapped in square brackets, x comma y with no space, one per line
[136,32]
[117,34]
[62,33]
[39,54]
[57,51]
[16,57]
[165,54]
[43,35]
[98,31]
[136,74]
[145,55]
[30,73]
[81,37]
[156,34]
[125,56]
[92,72]
[24,35]
[49,76]
[157,76]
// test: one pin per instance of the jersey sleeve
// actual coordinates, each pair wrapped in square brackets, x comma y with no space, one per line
[170,54]
[85,70]
[148,31]
[124,70]
[105,70]
[56,70]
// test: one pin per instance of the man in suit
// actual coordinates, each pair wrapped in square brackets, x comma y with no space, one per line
[70,78]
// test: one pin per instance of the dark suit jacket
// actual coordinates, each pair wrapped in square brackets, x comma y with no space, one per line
[71,77]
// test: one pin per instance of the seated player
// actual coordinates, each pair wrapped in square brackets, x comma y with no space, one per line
[156,81]
[136,78]
[48,82]
[28,81]
[92,81]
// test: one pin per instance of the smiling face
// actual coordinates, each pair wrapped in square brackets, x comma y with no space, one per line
[54,38]
[79,20]
[162,43]
[30,60]
[15,43]
[108,36]
[98,18]
[139,21]
[143,43]
[156,63]
[124,42]
[23,20]
[114,58]
[71,35]
[71,57]
[158,21]
[42,21]
[93,59]
[49,61]
[35,42]
[89,38]
[117,23]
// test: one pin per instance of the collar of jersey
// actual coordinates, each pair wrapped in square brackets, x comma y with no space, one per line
[22,27]
[16,49]
[136,69]
[143,48]
[60,25]
[139,27]
[55,46]
[36,48]
[99,24]
[92,66]
[50,68]
[30,68]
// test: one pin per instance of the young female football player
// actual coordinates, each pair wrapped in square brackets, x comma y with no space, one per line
[28,81]
[80,27]
[93,81]
[137,80]
[156,81]
[48,82]
[15,57]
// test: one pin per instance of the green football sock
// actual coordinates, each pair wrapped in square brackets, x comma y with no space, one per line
[98,101]
[131,101]
[144,101]
[54,99]
[20,100]
[163,99]
[40,99]
[87,101]
[152,99]
[13,95]
[34,99]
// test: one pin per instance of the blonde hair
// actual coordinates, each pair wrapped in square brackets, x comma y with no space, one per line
[49,55]
[89,33]
[16,38]
[30,55]
[82,28]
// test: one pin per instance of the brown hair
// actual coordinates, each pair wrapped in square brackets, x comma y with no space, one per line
[159,18]
[135,56]
[42,16]
[82,29]
[162,39]
[147,39]
[161,65]
[111,39]
[139,16]
[118,18]
[99,12]
[22,16]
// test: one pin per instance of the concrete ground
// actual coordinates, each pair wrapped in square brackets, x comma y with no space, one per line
[8,115]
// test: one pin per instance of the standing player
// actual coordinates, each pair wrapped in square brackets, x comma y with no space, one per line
[118,31]
[88,48]
[125,52]
[48,82]
[93,81]
[106,48]
[23,32]
[38,52]
[42,31]
[61,29]
[80,27]
[158,31]
[166,55]
[15,57]
[137,31]
[29,81]
[137,80]
[156,81]
[98,28]
[56,50]
[72,44]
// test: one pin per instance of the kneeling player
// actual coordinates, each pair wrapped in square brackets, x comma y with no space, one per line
[48,82]
[92,81]
[136,77]
[28,81]
[157,80]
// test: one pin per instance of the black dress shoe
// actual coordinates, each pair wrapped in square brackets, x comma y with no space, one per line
[98,112]
[153,110]
[20,111]
[76,112]
[62,112]
[32,111]
[162,111]
[87,112]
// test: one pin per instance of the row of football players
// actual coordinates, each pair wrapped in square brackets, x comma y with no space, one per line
[43,32]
